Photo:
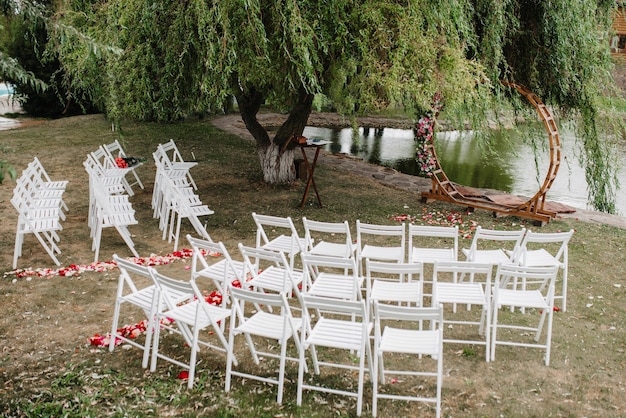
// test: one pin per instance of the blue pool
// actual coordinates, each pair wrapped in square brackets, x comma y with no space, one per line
[5,89]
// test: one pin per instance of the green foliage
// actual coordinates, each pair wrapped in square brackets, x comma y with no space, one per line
[171,59]
[5,167]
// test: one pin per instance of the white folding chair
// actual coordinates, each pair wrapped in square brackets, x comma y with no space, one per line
[266,270]
[394,282]
[46,187]
[107,167]
[178,206]
[176,162]
[379,242]
[111,211]
[189,319]
[348,329]
[474,290]
[328,238]
[212,260]
[43,222]
[163,168]
[115,150]
[278,234]
[548,249]
[145,298]
[538,295]
[331,277]
[30,190]
[44,179]
[510,242]
[277,327]
[113,183]
[412,338]
[428,244]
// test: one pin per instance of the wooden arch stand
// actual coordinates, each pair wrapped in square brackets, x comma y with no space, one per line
[443,189]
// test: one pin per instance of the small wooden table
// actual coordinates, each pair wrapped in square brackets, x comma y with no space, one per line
[310,167]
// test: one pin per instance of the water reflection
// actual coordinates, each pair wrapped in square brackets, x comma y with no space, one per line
[513,168]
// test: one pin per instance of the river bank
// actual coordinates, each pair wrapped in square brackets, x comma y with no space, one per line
[232,123]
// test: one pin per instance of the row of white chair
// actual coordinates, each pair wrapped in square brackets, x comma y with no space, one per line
[269,271]
[40,207]
[425,243]
[324,322]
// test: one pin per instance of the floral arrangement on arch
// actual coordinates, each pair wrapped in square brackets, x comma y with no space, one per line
[424,133]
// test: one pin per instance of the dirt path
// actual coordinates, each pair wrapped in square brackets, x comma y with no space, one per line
[233,123]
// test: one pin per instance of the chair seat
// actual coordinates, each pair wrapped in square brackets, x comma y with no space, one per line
[430,255]
[336,333]
[397,292]
[274,278]
[470,293]
[382,253]
[489,256]
[331,249]
[336,286]
[187,314]
[218,270]
[142,298]
[537,258]
[41,225]
[410,341]
[284,244]
[268,325]
[522,298]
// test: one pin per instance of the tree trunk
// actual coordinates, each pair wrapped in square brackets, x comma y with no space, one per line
[275,155]
[277,167]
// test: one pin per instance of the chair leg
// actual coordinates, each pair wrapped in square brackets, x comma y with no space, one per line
[19,240]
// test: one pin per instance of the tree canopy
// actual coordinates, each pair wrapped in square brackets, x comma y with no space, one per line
[174,58]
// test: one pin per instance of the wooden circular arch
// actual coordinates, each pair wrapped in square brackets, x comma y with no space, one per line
[533,208]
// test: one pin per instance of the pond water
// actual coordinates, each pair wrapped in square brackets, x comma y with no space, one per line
[465,162]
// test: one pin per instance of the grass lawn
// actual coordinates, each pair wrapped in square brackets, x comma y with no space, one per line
[49,368]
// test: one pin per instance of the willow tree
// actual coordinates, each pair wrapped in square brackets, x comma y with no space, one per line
[182,57]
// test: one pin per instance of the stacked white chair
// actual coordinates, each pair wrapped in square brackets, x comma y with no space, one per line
[115,150]
[413,338]
[107,167]
[170,163]
[108,210]
[46,187]
[176,162]
[178,204]
[39,204]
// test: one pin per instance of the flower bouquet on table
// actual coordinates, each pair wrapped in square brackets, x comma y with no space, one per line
[128,162]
